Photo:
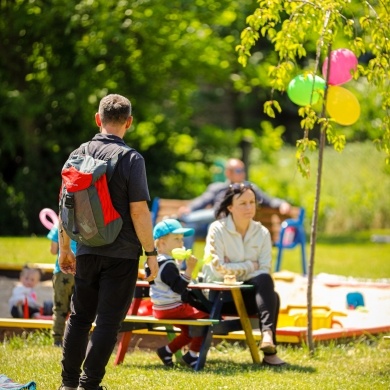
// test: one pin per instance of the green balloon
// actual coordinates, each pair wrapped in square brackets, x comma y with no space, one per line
[300,89]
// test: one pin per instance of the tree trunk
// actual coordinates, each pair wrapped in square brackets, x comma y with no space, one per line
[314,223]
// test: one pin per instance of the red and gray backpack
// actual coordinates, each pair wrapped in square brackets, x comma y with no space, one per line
[87,213]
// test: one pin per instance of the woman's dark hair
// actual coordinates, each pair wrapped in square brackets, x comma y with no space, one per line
[234,189]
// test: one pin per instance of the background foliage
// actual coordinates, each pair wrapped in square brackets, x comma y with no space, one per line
[354,187]
[193,102]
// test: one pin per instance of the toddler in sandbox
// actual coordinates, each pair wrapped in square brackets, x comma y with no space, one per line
[28,280]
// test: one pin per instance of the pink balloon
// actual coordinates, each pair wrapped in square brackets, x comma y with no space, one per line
[342,64]
[48,217]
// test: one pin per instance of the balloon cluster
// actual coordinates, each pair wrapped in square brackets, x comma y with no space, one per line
[341,104]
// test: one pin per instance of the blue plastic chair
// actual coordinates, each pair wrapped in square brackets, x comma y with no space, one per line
[296,227]
[154,209]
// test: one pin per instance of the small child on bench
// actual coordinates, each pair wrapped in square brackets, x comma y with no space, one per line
[25,290]
[168,289]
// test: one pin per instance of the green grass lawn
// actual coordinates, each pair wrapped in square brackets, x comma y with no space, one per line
[22,250]
[364,364]
[349,255]
[359,364]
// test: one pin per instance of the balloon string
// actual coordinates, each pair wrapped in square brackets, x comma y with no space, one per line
[317,65]
[323,113]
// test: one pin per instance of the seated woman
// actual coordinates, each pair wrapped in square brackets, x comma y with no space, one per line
[237,245]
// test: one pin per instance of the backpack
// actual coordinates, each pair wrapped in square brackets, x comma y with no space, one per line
[87,213]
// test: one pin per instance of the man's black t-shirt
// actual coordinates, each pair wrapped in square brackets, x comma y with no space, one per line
[128,184]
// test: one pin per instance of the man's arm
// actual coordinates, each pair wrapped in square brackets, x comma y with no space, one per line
[66,258]
[171,276]
[208,198]
[142,222]
[269,201]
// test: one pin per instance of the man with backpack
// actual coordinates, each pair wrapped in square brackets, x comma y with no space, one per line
[105,271]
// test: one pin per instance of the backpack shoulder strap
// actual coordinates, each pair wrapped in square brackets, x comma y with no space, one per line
[112,159]
[84,148]
[115,157]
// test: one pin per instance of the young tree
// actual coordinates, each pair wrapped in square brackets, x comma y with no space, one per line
[293,28]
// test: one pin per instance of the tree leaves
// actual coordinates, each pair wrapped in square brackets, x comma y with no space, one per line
[292,26]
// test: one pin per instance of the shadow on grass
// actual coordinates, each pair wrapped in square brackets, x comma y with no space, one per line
[219,366]
[228,368]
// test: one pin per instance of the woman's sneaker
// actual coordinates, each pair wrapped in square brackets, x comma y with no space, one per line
[165,356]
[190,360]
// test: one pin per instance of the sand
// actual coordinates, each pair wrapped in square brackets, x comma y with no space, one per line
[332,290]
[328,290]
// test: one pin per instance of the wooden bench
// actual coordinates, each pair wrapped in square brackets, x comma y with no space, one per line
[13,270]
[271,218]
[279,225]
[22,323]
[136,323]
[133,322]
[15,326]
[10,327]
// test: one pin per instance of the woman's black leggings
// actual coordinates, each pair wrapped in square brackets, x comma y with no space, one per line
[262,300]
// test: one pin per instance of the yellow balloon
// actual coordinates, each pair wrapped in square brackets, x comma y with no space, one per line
[342,105]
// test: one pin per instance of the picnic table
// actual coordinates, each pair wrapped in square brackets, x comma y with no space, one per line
[216,325]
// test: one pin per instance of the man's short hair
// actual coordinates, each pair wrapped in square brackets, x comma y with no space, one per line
[114,109]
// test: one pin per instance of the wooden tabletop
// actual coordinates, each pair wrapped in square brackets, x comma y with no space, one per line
[218,286]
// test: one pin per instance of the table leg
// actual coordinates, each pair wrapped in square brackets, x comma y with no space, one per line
[246,324]
[126,336]
[208,335]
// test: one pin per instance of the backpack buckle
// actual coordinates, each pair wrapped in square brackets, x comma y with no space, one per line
[69,201]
